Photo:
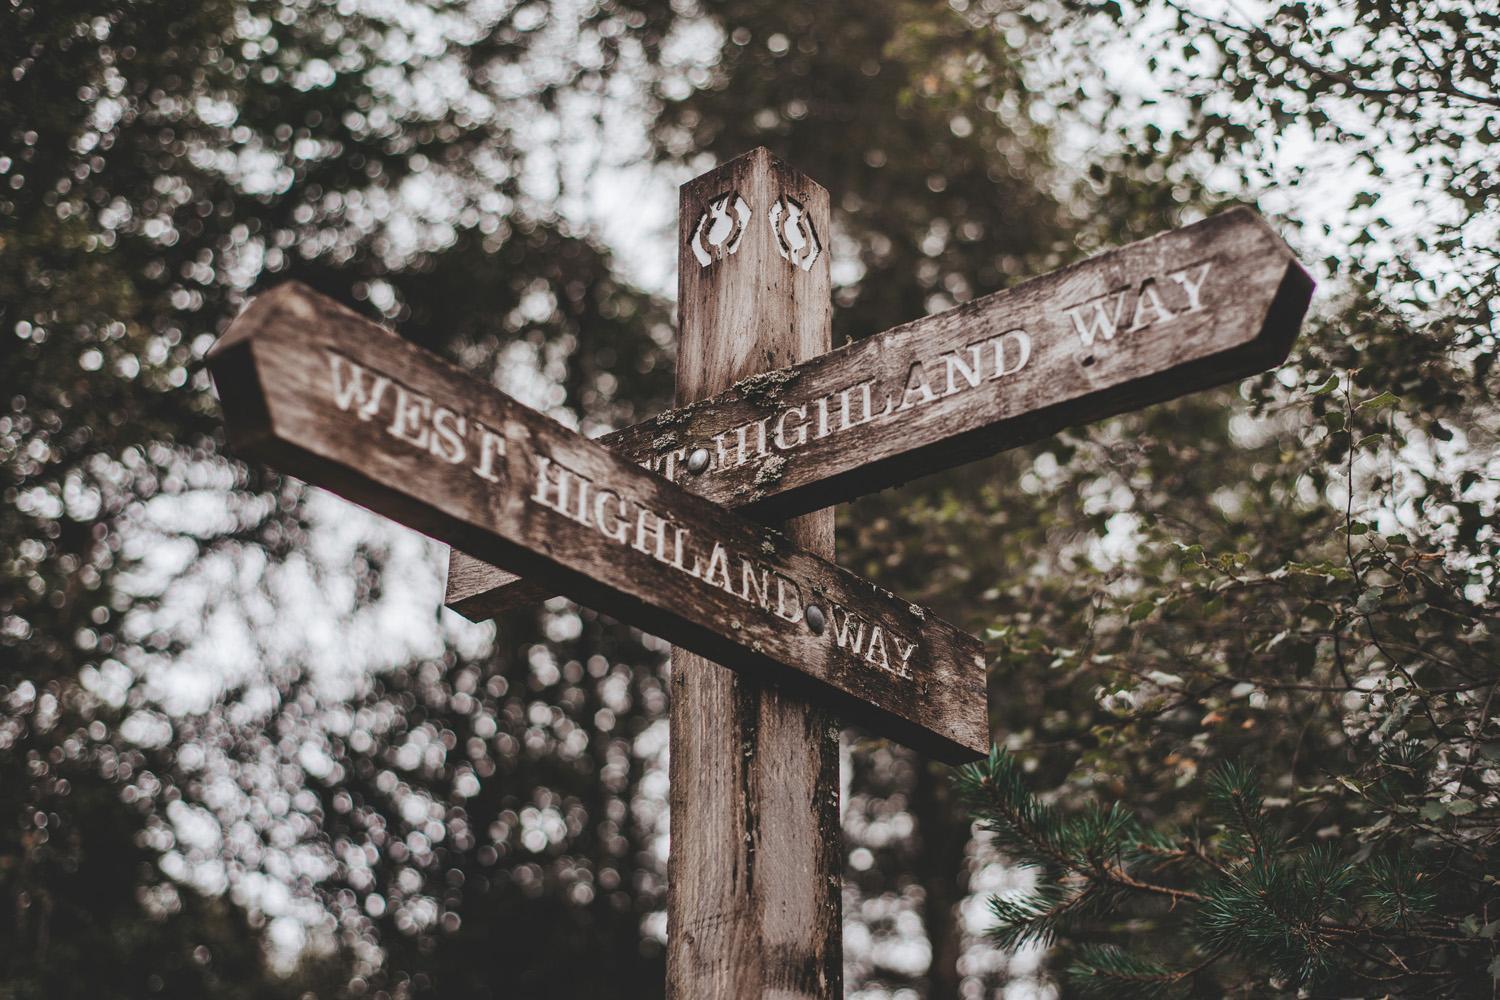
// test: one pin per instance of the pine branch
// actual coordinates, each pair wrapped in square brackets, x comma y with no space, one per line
[1108,971]
[1023,825]
[1041,915]
[1290,912]
[1234,790]
[1100,844]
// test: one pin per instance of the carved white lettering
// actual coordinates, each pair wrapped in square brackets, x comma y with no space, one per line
[842,632]
[679,545]
[453,438]
[718,562]
[409,422]
[1191,287]
[864,397]
[954,364]
[905,654]
[545,485]
[741,433]
[619,531]
[801,430]
[849,633]
[823,417]
[1022,340]
[448,430]
[349,390]
[749,583]
[792,613]
[581,514]
[916,381]
[1100,323]
[877,644]
[721,460]
[643,529]
[1148,299]
[490,445]
[666,465]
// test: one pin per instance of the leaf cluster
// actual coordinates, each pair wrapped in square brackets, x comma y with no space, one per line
[1290,911]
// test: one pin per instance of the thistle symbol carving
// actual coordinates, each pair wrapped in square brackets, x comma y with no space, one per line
[796,240]
[720,228]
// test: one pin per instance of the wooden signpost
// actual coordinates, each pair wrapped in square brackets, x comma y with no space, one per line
[315,389]
[642,525]
[1180,312]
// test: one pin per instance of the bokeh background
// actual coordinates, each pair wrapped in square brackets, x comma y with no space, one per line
[244,752]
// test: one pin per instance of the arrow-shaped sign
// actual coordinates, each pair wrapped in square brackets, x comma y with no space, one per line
[1173,314]
[315,389]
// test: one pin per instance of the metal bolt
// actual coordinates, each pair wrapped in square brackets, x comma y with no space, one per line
[698,461]
[815,620]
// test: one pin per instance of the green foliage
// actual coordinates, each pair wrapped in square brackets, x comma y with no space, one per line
[1288,910]
[1106,971]
[158,162]
[1301,575]
[1342,639]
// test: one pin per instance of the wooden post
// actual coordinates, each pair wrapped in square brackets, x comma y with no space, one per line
[753,902]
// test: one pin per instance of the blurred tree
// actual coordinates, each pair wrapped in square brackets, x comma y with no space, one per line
[158,161]
[1285,782]
[161,162]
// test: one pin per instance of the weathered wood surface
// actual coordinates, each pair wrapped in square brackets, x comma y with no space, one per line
[1179,312]
[755,870]
[320,392]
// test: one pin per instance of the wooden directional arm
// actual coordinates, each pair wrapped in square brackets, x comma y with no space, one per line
[316,390]
[1173,314]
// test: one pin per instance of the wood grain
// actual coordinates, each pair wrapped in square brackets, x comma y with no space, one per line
[320,392]
[1183,311]
[755,870]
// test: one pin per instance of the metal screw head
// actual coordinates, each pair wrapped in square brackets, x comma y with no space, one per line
[815,619]
[697,462]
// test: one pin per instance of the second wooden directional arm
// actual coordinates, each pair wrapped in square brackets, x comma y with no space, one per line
[1179,312]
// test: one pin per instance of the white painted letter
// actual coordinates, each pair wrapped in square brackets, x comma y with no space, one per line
[412,413]
[1023,350]
[748,581]
[544,485]
[447,438]
[1148,298]
[678,546]
[490,445]
[841,632]
[1193,288]
[845,422]
[620,531]
[801,431]
[955,363]
[642,530]
[718,560]
[905,669]
[916,381]
[351,391]
[795,614]
[877,641]
[1103,325]
[665,465]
